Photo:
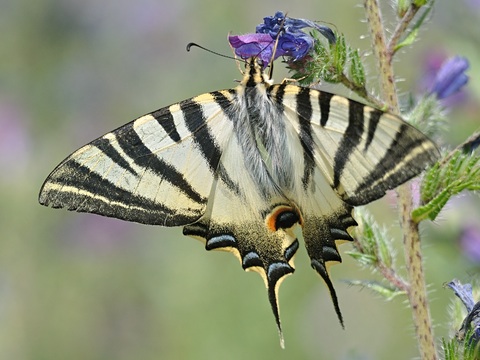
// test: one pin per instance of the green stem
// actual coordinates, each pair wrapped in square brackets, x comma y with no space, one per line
[417,294]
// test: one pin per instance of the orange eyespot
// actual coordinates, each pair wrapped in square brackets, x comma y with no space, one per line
[282,217]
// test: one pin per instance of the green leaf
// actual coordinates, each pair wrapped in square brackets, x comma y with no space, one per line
[364,259]
[450,349]
[433,208]
[412,36]
[420,3]
[340,55]
[402,7]
[357,71]
[457,171]
[408,40]
[372,244]
[454,349]
[385,291]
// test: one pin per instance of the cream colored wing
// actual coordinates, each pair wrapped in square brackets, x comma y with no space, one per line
[158,169]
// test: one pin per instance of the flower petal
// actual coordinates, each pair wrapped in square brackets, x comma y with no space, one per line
[253,45]
[450,78]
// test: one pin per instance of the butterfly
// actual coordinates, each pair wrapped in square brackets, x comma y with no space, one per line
[245,170]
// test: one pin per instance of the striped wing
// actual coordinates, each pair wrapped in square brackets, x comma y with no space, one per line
[157,169]
[361,151]
[352,154]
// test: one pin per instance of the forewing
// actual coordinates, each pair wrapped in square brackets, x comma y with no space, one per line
[157,169]
[362,151]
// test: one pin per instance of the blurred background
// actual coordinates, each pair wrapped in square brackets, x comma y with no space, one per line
[78,286]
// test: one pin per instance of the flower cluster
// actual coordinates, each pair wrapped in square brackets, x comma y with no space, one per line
[281,34]
[472,321]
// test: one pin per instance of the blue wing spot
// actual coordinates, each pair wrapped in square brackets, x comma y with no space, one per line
[251,259]
[340,234]
[278,270]
[221,241]
[331,254]
[291,250]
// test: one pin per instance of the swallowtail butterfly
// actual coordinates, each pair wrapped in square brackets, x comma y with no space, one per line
[242,169]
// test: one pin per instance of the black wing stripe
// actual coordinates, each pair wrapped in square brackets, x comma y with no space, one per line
[108,150]
[105,198]
[304,111]
[373,121]
[196,123]
[384,176]
[350,140]
[324,103]
[164,118]
[134,148]
[224,102]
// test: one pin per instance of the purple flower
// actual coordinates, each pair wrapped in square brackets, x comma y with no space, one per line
[283,32]
[450,78]
[473,4]
[250,45]
[464,293]
[470,242]
[279,23]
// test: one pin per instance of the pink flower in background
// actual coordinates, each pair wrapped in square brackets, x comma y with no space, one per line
[470,241]
[14,142]
[98,234]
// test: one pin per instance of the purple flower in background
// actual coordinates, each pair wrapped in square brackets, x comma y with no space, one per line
[283,31]
[450,78]
[14,142]
[470,241]
[444,78]
[473,4]
[97,234]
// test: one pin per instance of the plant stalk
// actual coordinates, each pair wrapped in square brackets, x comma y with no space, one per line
[417,294]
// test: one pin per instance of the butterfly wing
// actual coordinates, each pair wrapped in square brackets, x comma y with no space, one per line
[352,154]
[362,151]
[158,169]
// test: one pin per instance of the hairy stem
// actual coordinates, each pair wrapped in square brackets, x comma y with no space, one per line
[387,80]
[416,290]
[400,30]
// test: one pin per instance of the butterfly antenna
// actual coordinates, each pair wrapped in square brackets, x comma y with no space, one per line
[270,73]
[192,44]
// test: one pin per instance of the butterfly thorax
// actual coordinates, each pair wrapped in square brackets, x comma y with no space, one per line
[260,131]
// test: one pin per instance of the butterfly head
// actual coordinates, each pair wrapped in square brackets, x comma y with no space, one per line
[255,74]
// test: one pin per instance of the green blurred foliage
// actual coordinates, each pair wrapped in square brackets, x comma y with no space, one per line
[78,286]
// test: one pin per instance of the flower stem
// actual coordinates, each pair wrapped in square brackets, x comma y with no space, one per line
[416,290]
